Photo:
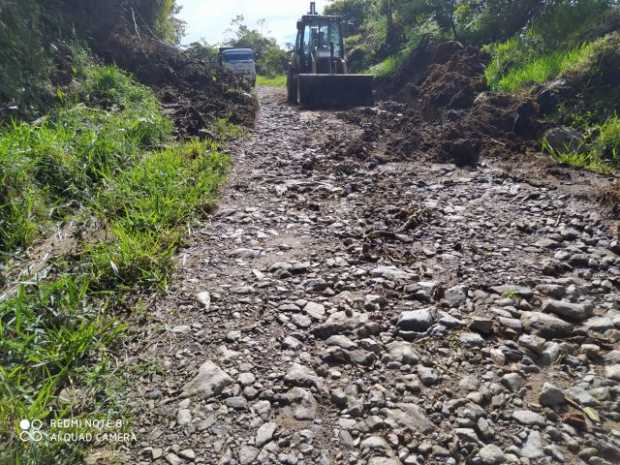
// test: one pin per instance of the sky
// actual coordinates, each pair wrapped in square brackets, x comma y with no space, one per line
[209,19]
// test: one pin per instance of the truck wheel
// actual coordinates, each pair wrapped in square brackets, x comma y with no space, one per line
[291,87]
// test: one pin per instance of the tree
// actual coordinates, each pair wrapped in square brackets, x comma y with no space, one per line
[354,14]
[202,51]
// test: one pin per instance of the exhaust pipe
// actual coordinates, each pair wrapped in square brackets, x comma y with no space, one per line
[313,8]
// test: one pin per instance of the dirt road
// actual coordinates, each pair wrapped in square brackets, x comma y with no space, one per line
[344,308]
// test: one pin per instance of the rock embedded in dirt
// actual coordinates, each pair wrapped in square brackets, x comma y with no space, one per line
[300,375]
[471,339]
[545,325]
[564,139]
[247,455]
[568,310]
[613,372]
[265,433]
[205,299]
[551,396]
[410,416]
[534,343]
[315,310]
[391,272]
[527,417]
[339,323]
[210,381]
[402,352]
[462,152]
[188,454]
[174,459]
[416,320]
[184,417]
[491,455]
[513,381]
[533,447]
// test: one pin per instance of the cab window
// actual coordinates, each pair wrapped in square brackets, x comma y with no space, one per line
[234,57]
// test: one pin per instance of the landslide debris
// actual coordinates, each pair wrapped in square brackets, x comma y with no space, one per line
[438,107]
[193,92]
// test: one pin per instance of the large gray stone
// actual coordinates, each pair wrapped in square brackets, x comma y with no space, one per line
[300,375]
[551,396]
[409,416]
[491,455]
[416,320]
[339,323]
[265,433]
[533,447]
[391,272]
[303,403]
[613,372]
[568,310]
[315,310]
[527,417]
[403,352]
[247,455]
[210,381]
[545,325]
[456,296]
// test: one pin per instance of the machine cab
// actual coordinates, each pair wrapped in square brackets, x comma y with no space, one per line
[319,46]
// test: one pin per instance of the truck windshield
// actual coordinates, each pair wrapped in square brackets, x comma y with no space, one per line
[231,57]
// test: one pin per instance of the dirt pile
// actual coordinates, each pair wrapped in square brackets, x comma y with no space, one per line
[438,106]
[438,76]
[194,93]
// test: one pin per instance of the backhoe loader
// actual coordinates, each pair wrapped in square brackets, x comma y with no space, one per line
[318,76]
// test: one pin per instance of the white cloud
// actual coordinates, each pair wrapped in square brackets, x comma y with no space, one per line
[209,19]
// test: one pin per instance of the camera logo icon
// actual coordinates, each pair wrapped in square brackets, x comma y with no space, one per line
[31,430]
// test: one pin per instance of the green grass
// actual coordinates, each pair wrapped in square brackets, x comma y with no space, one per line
[387,67]
[601,155]
[540,69]
[275,81]
[99,154]
[146,208]
[50,169]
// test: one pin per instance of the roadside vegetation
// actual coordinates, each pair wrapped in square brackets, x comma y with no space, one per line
[275,81]
[104,158]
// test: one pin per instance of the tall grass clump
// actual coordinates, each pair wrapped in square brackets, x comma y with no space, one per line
[539,69]
[101,151]
[146,208]
[48,333]
[53,166]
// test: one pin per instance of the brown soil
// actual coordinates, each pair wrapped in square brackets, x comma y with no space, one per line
[194,93]
[439,108]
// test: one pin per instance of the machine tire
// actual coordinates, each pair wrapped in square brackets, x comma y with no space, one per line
[291,87]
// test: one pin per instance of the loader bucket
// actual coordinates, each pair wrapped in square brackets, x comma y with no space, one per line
[335,90]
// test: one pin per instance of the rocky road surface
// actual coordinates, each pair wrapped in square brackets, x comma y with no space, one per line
[341,309]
